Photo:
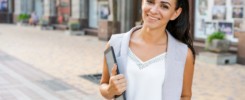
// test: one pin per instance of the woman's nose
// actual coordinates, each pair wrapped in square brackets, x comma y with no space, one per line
[154,9]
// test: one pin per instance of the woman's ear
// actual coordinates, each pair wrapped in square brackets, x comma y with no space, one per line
[176,14]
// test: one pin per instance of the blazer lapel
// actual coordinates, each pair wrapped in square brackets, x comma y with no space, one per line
[122,59]
[124,49]
[170,52]
[173,70]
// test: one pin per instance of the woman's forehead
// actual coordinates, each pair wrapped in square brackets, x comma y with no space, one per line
[158,0]
[163,1]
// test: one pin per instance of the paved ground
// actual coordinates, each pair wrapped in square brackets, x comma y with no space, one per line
[62,56]
[20,81]
[66,57]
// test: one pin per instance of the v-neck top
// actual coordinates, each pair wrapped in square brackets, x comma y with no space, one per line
[145,79]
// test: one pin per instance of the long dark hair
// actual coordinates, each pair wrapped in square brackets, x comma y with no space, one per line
[180,27]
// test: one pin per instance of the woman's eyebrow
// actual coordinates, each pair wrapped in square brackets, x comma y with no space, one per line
[164,2]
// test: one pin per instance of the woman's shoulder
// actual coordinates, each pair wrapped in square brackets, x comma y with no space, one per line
[181,44]
[119,35]
[178,49]
[116,39]
[176,42]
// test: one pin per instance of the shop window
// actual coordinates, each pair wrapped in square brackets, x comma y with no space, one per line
[104,10]
[3,5]
[219,15]
[64,4]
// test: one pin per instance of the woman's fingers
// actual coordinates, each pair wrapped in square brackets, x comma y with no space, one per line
[118,79]
[114,70]
[118,84]
[122,80]
[121,90]
[120,76]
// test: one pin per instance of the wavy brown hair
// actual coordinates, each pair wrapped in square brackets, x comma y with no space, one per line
[180,27]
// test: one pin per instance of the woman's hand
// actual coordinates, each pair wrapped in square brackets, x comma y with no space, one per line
[117,83]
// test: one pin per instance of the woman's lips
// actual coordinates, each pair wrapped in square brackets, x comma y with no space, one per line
[153,18]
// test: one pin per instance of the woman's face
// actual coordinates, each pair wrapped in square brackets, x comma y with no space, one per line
[157,13]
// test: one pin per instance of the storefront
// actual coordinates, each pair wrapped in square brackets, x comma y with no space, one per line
[39,8]
[50,11]
[226,16]
[93,15]
[6,11]
[27,6]
[219,15]
[23,7]
[3,5]
[63,11]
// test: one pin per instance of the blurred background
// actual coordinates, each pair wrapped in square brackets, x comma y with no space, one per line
[53,49]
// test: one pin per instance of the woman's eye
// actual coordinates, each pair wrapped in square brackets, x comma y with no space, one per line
[149,1]
[164,6]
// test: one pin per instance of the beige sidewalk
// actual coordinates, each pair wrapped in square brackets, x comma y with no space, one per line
[20,81]
[67,57]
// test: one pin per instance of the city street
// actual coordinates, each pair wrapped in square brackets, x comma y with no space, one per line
[40,64]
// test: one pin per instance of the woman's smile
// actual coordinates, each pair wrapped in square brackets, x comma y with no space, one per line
[152,18]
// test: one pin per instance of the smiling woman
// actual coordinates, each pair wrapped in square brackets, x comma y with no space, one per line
[155,59]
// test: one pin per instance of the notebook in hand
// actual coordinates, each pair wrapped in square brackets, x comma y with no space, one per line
[111,60]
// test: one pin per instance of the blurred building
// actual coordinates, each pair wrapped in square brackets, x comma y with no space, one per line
[220,15]
[6,11]
[96,17]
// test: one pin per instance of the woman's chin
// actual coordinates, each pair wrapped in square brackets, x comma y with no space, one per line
[150,25]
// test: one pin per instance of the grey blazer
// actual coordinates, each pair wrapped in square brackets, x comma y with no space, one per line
[175,62]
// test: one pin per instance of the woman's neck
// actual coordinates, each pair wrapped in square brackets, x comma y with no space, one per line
[153,36]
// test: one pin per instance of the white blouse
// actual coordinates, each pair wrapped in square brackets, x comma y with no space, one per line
[145,79]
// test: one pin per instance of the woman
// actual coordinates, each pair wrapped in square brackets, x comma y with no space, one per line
[155,60]
[34,19]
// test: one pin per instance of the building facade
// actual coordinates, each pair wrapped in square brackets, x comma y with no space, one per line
[6,11]
[226,16]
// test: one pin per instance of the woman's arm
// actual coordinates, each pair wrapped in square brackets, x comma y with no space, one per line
[105,82]
[188,77]
[114,85]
